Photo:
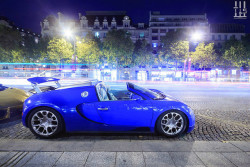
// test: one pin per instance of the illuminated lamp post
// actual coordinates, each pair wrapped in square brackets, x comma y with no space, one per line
[69,34]
[195,37]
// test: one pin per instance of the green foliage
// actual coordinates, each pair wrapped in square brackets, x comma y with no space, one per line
[59,49]
[118,47]
[88,50]
[175,48]
[18,56]
[170,39]
[234,54]
[179,50]
[246,43]
[5,56]
[10,41]
[41,49]
[204,55]
[142,53]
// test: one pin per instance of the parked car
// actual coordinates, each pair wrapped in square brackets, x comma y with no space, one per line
[91,106]
[11,102]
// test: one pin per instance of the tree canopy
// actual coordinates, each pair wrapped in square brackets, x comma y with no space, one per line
[142,53]
[118,47]
[59,49]
[88,51]
[204,55]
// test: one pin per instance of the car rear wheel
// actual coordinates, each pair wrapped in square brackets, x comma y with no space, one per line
[172,123]
[45,122]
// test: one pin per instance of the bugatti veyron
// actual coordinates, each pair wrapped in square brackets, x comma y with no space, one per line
[93,107]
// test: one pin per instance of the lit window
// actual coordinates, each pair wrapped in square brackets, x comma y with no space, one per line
[154,45]
[97,34]
[141,34]
[161,19]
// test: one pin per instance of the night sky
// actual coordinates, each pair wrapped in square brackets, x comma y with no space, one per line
[29,13]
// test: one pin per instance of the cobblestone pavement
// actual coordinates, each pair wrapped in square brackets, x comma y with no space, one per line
[222,114]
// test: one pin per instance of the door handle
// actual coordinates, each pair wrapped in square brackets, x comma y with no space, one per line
[103,109]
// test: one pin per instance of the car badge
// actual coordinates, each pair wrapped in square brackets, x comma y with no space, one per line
[84,94]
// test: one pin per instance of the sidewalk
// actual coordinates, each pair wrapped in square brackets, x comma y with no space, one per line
[108,153]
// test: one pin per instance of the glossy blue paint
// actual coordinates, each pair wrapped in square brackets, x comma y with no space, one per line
[91,113]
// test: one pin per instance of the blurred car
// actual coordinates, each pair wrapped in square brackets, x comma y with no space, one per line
[11,102]
[92,107]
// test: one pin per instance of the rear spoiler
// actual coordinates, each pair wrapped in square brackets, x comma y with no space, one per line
[39,80]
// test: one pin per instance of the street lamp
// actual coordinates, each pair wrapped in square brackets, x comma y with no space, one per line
[68,34]
[195,37]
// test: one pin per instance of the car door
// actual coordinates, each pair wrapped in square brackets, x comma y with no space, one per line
[133,113]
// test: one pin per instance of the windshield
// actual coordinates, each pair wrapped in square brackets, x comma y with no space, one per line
[149,93]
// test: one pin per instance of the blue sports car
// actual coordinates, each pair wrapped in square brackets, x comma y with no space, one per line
[91,106]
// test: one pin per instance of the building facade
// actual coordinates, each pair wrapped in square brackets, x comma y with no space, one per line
[160,24]
[4,21]
[219,33]
[100,22]
[96,22]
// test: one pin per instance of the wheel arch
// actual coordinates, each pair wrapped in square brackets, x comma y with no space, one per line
[28,114]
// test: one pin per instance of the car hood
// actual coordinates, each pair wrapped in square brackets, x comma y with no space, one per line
[168,97]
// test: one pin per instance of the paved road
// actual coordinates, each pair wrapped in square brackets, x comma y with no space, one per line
[222,113]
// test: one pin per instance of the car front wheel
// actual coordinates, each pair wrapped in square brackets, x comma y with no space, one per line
[45,122]
[172,123]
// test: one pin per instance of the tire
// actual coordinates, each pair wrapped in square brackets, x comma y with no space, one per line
[45,122]
[171,127]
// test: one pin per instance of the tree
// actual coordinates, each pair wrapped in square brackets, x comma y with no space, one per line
[175,47]
[29,48]
[179,50]
[88,50]
[18,56]
[170,38]
[118,47]
[41,49]
[234,54]
[204,55]
[5,56]
[142,53]
[59,49]
[10,39]
[246,43]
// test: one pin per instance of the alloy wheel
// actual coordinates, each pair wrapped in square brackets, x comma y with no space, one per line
[44,123]
[172,123]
